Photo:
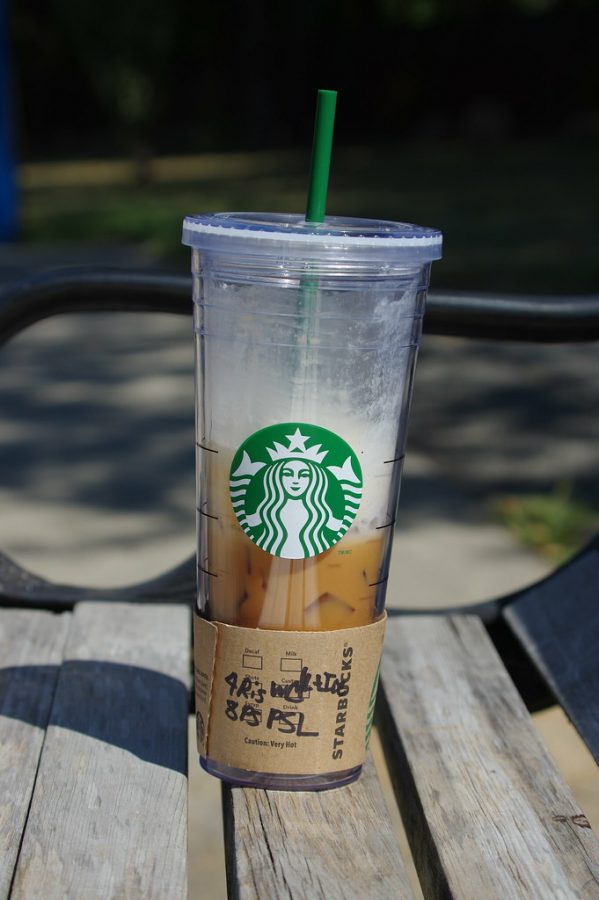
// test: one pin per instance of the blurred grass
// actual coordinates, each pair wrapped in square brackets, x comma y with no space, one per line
[556,524]
[515,216]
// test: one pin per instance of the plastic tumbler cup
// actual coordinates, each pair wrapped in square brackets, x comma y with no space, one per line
[306,340]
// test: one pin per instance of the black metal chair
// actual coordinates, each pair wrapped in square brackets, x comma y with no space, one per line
[546,634]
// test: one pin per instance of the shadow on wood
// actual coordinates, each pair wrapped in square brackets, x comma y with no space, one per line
[91,699]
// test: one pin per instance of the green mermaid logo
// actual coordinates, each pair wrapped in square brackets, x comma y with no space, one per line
[295,489]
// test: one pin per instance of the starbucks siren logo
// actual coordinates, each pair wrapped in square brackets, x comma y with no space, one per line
[295,489]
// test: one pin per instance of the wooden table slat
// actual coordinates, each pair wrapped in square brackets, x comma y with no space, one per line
[486,812]
[108,815]
[31,645]
[331,845]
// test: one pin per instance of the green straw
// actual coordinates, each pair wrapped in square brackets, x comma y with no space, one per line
[317,201]
[324,124]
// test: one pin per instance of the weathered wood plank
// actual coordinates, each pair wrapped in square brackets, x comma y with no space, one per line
[486,813]
[108,815]
[330,845]
[31,646]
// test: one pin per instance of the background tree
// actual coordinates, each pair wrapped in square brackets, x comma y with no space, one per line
[112,76]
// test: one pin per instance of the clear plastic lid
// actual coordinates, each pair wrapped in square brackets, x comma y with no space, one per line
[275,233]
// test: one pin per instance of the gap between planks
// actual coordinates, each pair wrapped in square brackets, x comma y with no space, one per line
[328,845]
[31,646]
[486,812]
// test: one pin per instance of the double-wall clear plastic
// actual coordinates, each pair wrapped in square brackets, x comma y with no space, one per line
[296,323]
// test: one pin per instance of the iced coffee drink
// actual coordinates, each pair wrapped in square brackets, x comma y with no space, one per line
[306,342]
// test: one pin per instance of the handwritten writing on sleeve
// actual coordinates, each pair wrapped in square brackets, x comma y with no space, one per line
[246,700]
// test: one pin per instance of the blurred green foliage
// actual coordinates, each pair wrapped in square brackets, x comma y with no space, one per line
[556,524]
[515,216]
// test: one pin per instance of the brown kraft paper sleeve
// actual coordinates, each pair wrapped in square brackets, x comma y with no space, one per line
[285,702]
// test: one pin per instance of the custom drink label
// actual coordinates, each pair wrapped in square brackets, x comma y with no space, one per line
[295,489]
[285,702]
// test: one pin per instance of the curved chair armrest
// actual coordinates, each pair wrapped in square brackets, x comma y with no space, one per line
[30,300]
[509,317]
[21,588]
[24,302]
[513,317]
